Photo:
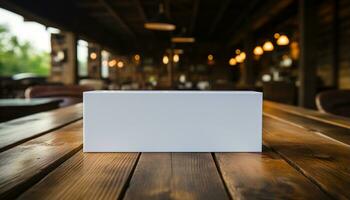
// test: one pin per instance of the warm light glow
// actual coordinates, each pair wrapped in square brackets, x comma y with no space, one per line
[268,46]
[112,63]
[239,58]
[157,26]
[176,58]
[93,56]
[182,39]
[210,57]
[258,51]
[243,55]
[165,60]
[283,40]
[120,64]
[276,35]
[137,57]
[294,50]
[232,62]
[238,51]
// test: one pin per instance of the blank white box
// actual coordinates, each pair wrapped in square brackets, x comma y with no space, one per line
[172,121]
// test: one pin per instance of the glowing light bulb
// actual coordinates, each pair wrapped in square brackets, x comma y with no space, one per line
[232,62]
[268,46]
[176,58]
[283,40]
[243,55]
[276,35]
[258,51]
[120,64]
[137,57]
[112,63]
[93,56]
[165,60]
[239,58]
[210,57]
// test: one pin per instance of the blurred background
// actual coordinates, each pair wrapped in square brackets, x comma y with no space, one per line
[296,51]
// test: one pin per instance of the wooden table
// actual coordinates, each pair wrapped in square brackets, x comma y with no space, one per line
[15,108]
[306,156]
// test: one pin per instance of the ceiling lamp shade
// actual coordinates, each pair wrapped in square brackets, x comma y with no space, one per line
[93,56]
[120,64]
[176,58]
[232,62]
[160,22]
[268,46]
[182,40]
[243,55]
[258,51]
[165,60]
[239,58]
[282,40]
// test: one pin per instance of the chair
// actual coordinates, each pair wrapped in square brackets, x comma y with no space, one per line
[334,102]
[69,94]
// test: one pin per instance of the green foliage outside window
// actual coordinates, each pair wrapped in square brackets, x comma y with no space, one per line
[20,57]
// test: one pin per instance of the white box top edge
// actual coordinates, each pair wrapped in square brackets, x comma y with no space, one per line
[170,91]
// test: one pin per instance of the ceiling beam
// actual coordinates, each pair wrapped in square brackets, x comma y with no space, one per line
[259,19]
[194,16]
[140,10]
[117,18]
[221,12]
[240,20]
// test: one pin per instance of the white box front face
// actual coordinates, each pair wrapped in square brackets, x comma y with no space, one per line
[172,121]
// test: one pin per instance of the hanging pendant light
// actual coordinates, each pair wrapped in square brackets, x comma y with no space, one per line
[283,40]
[268,46]
[183,37]
[258,51]
[160,22]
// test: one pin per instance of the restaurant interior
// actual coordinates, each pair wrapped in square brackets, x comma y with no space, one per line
[247,99]
[295,52]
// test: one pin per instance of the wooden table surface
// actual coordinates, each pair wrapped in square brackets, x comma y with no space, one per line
[306,155]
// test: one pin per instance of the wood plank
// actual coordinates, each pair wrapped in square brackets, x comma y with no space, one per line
[325,162]
[312,114]
[176,176]
[86,176]
[264,176]
[27,163]
[23,129]
[338,133]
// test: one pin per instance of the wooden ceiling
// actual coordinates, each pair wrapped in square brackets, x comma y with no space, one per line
[118,24]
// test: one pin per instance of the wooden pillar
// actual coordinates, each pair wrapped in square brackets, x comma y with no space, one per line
[94,61]
[307,64]
[64,58]
[248,68]
[335,44]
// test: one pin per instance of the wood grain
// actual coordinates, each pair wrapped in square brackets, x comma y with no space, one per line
[264,176]
[312,114]
[324,161]
[86,176]
[338,133]
[176,176]
[27,163]
[23,129]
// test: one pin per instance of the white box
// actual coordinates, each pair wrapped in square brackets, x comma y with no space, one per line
[172,121]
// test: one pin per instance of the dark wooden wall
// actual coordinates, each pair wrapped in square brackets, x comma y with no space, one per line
[333,43]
